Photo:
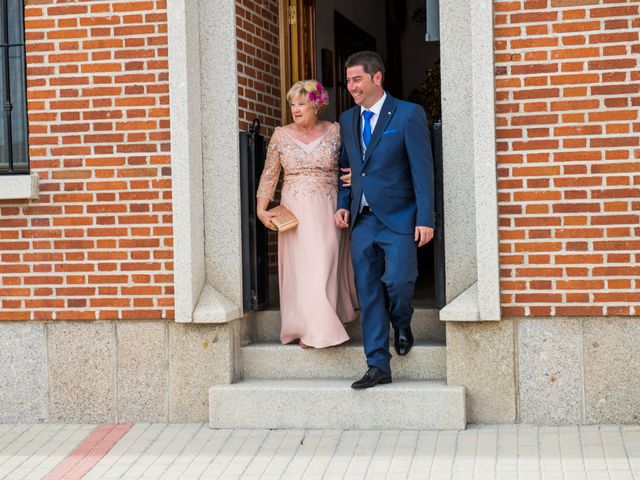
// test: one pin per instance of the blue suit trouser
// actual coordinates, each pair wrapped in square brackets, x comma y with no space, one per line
[386,267]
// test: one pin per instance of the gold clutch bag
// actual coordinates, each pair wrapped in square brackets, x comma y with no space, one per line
[284,219]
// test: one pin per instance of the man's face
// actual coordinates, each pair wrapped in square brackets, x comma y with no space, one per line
[365,89]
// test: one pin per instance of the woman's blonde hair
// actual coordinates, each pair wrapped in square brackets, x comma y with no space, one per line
[311,90]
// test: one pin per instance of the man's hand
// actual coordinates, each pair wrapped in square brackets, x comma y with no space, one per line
[341,217]
[423,235]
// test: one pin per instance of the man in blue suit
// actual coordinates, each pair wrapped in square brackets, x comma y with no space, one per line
[389,208]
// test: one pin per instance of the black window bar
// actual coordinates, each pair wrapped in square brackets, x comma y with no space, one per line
[14,152]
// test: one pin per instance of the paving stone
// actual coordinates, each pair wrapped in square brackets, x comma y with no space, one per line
[192,451]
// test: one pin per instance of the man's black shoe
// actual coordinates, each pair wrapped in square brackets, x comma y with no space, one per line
[373,377]
[403,340]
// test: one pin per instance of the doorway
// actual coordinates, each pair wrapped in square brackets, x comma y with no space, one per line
[315,43]
[348,39]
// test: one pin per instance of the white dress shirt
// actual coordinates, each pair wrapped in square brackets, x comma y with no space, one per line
[376,108]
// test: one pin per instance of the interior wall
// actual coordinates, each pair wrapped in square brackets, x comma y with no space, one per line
[369,15]
[417,55]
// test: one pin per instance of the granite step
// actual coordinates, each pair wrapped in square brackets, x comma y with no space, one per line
[426,360]
[425,325]
[333,404]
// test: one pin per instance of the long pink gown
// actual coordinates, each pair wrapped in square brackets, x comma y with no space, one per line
[317,293]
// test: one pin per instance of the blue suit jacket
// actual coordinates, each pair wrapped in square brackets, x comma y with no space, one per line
[396,174]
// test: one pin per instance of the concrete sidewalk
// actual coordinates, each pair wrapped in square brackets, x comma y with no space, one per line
[194,451]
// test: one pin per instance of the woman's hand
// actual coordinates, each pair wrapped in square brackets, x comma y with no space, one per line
[265,217]
[346,177]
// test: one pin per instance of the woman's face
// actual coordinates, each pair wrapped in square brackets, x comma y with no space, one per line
[302,110]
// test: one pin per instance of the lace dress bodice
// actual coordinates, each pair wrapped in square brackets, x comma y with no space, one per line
[308,168]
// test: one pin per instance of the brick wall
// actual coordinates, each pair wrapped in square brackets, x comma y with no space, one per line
[568,142]
[258,63]
[97,244]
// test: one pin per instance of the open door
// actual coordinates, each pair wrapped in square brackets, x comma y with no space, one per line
[439,279]
[299,25]
[297,46]
[348,39]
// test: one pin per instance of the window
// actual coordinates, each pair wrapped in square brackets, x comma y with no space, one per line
[13,105]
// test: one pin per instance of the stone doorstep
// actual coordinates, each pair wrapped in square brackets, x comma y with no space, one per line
[425,324]
[426,361]
[332,404]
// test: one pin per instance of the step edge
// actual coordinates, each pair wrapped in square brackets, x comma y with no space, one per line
[273,344]
[331,383]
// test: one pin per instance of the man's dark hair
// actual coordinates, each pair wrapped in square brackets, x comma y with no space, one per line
[371,62]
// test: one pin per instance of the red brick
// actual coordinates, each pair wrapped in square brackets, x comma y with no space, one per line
[613,37]
[616,297]
[579,311]
[573,3]
[59,34]
[67,10]
[507,6]
[540,17]
[538,298]
[574,14]
[574,79]
[133,6]
[613,310]
[575,52]
[579,284]
[536,93]
[617,245]
[612,64]
[575,105]
[587,155]
[613,11]
[615,219]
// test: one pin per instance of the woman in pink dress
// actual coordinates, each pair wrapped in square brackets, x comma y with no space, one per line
[317,293]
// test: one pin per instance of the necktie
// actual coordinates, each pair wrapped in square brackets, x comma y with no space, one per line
[366,132]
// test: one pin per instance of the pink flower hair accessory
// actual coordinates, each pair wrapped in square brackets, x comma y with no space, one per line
[317,94]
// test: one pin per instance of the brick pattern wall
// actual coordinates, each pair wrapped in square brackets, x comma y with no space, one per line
[568,142]
[258,63]
[259,93]
[97,244]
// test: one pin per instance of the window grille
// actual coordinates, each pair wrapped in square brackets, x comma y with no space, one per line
[14,152]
